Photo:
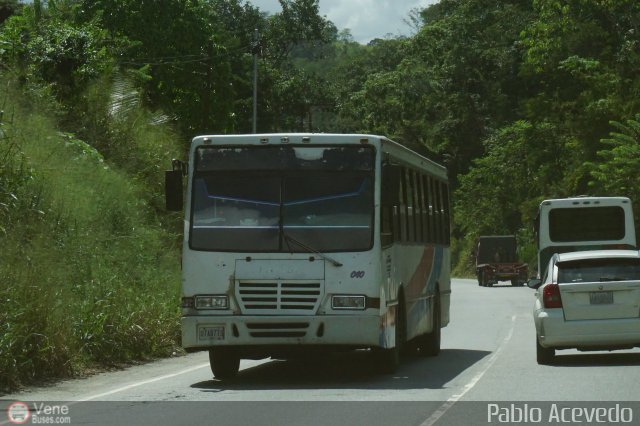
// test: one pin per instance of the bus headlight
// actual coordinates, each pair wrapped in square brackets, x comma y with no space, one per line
[212,302]
[343,301]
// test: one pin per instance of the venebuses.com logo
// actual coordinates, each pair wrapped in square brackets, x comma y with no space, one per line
[18,413]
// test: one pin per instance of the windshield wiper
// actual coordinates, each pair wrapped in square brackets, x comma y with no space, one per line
[602,279]
[288,238]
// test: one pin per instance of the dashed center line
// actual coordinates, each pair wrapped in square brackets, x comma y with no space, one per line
[466,388]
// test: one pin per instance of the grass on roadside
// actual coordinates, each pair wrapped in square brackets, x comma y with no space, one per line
[87,273]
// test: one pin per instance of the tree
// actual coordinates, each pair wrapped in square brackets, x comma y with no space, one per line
[581,63]
[299,23]
[8,8]
[53,52]
[523,164]
[617,173]
[184,52]
[447,87]
[290,88]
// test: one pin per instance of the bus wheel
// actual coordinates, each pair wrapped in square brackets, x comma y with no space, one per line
[389,359]
[225,363]
[514,282]
[429,343]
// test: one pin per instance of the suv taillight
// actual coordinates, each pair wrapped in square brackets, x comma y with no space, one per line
[551,296]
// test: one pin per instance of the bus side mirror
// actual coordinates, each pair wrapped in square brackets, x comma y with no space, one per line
[173,186]
[390,188]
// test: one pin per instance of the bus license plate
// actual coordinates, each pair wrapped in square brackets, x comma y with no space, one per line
[601,297]
[211,333]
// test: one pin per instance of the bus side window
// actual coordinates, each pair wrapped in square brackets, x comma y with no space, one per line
[447,214]
[417,223]
[440,210]
[386,225]
[389,201]
[428,193]
[422,236]
[426,211]
[408,192]
[436,210]
[404,228]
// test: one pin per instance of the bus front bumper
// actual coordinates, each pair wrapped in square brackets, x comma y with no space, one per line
[204,332]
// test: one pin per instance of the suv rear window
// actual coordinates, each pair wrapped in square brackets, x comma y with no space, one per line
[599,270]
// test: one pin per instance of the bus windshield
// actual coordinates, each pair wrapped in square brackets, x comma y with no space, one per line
[251,198]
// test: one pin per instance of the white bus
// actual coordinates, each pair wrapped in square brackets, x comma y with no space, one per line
[583,223]
[309,242]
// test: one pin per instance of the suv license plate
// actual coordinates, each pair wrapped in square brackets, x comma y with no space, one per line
[601,297]
[211,333]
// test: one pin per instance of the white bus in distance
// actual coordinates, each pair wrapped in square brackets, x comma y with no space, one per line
[583,223]
[310,242]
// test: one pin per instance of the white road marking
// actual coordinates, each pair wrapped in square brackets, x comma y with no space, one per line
[144,382]
[130,386]
[466,388]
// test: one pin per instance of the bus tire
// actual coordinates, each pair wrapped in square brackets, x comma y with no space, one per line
[225,363]
[429,343]
[389,359]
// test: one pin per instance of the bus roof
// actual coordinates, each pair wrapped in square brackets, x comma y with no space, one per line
[584,200]
[283,138]
[396,152]
[402,154]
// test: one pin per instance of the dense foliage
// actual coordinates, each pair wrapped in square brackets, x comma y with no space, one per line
[521,99]
[88,273]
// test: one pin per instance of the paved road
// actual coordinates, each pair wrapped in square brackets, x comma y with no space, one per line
[486,368]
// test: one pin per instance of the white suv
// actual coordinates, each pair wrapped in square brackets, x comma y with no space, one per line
[588,300]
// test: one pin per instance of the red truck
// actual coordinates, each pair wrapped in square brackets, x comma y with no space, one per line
[497,260]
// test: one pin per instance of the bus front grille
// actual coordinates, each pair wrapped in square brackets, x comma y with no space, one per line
[274,297]
[298,329]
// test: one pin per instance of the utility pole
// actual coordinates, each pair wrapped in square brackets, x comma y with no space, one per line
[256,48]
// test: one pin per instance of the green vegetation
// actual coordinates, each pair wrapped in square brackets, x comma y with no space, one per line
[88,274]
[521,100]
